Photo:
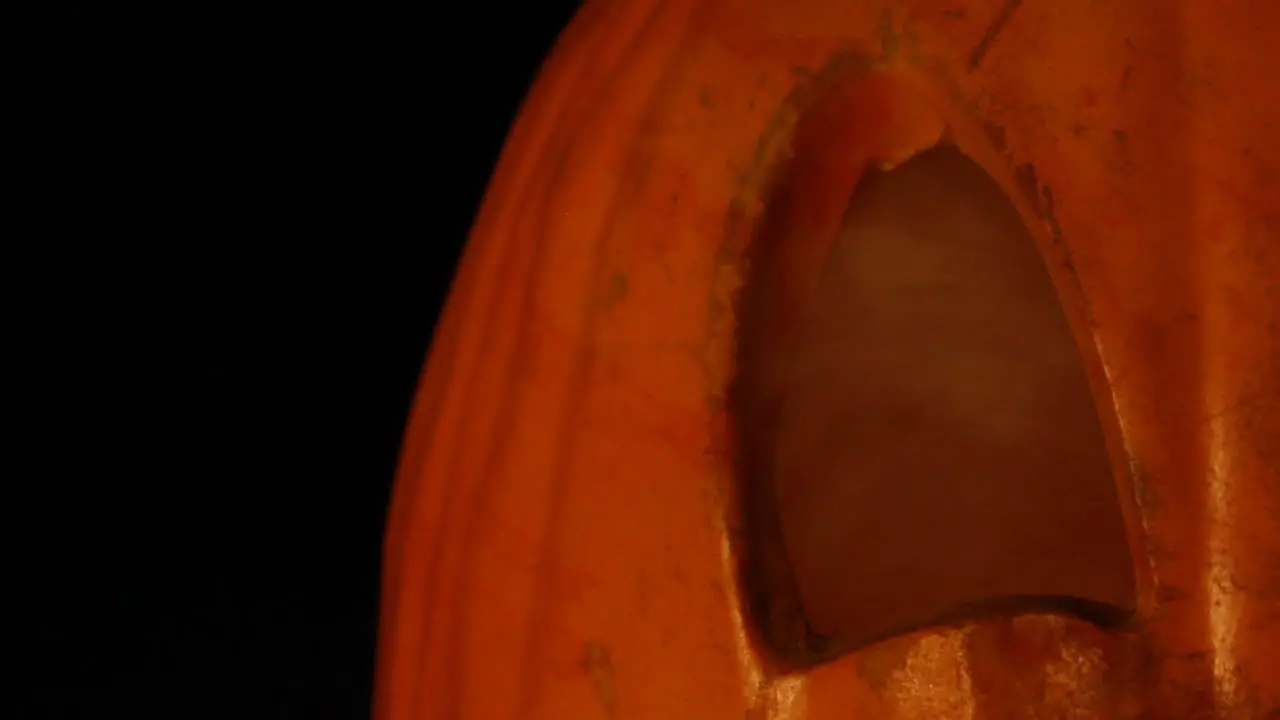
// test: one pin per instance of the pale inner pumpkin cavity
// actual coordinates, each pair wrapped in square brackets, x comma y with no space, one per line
[937,451]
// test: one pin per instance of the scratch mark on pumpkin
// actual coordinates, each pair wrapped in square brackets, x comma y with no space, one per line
[992,32]
[1041,197]
[599,668]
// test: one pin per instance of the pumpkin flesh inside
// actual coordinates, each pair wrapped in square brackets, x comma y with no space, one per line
[938,447]
[919,440]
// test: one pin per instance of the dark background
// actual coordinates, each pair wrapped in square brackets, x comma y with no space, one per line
[240,231]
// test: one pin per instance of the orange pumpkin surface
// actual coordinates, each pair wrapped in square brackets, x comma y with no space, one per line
[567,536]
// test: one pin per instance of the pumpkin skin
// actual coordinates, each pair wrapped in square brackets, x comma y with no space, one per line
[561,542]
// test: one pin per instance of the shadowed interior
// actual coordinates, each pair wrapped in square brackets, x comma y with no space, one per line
[936,453]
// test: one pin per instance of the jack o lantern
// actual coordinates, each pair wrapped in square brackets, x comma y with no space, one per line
[815,359]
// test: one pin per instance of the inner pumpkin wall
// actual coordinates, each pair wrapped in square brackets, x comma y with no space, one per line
[938,454]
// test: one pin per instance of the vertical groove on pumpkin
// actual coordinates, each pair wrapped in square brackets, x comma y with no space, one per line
[618,118]
[412,522]
[513,279]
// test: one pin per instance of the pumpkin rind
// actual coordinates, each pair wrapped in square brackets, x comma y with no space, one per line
[559,541]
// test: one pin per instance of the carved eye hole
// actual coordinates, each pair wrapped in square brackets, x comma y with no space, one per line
[928,449]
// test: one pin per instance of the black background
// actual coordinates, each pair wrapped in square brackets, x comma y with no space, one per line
[238,234]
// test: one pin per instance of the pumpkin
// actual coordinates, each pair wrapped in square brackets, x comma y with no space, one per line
[613,501]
